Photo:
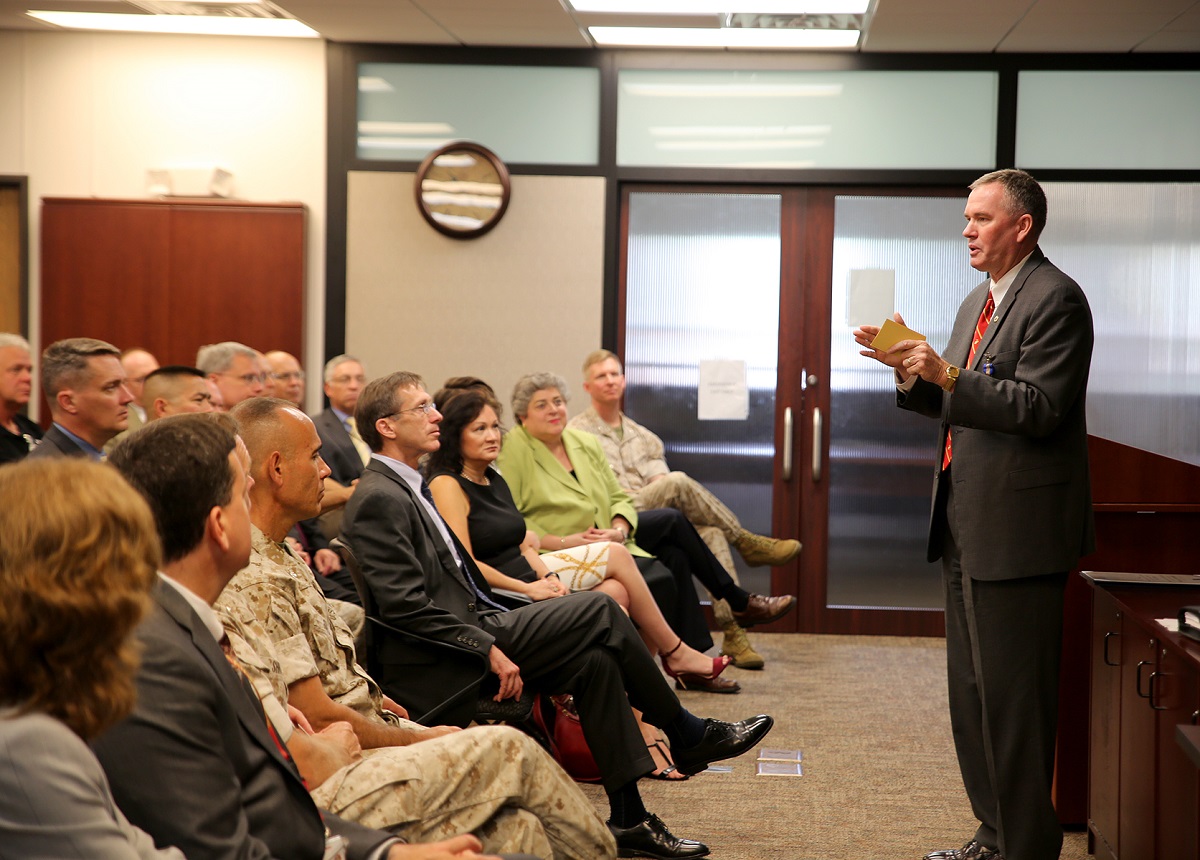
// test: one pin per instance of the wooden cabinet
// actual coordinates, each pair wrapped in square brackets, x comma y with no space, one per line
[1144,792]
[173,275]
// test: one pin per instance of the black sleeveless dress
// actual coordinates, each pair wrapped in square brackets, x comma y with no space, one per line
[495,525]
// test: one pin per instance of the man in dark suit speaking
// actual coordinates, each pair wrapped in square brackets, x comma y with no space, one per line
[423,580]
[1012,509]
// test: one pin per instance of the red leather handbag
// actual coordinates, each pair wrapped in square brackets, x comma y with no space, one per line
[557,719]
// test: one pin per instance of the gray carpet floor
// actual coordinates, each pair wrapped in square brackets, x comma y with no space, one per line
[880,779]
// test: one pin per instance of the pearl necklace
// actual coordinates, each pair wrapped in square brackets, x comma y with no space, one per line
[483,482]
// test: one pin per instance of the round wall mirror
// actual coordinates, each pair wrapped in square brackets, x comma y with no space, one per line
[462,189]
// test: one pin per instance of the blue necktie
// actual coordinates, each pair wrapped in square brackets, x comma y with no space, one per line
[479,595]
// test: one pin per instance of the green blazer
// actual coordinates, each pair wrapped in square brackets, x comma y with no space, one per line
[554,502]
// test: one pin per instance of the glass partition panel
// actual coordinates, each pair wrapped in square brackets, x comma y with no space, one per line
[702,284]
[1109,120]
[1135,250]
[685,118]
[525,114]
[882,458]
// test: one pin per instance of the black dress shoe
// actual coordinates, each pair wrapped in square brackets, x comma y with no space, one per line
[763,610]
[651,838]
[721,741]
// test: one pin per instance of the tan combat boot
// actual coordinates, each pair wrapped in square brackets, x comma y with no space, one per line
[737,645]
[759,550]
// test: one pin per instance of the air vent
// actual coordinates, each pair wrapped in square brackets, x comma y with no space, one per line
[822,21]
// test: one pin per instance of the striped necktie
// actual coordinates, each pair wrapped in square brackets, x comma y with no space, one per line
[985,319]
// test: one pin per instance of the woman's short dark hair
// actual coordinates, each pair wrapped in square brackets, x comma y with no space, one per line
[78,555]
[180,464]
[459,407]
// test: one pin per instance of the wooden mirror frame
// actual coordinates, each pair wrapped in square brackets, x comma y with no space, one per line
[488,158]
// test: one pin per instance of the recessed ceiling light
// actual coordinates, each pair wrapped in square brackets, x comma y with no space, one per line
[723,37]
[721,7]
[196,25]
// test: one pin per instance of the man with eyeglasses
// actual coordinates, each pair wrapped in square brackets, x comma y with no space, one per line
[344,451]
[18,435]
[288,376]
[233,367]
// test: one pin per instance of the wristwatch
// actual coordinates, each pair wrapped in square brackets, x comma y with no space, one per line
[951,377]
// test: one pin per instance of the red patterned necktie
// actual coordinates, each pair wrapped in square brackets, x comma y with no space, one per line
[985,319]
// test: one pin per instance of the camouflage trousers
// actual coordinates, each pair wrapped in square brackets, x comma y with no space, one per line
[714,522]
[492,781]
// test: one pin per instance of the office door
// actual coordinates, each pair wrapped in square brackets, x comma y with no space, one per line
[759,282]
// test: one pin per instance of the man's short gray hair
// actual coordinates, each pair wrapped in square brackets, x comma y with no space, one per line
[1023,194]
[337,361]
[530,384]
[65,362]
[218,357]
[10,339]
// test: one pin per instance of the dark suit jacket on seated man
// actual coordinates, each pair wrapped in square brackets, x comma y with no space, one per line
[196,764]
[422,580]
[1011,511]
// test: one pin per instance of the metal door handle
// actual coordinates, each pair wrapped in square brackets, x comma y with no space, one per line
[1107,638]
[1154,676]
[787,443]
[816,445]
[1140,666]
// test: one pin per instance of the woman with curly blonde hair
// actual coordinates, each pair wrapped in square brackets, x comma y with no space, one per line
[78,555]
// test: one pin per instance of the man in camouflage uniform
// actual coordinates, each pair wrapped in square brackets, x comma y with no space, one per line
[419,782]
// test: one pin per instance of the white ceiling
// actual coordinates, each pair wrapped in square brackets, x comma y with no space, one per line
[914,26]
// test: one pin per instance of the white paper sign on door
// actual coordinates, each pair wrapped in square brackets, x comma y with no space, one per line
[723,394]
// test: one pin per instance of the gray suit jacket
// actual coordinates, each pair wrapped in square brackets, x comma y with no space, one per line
[1020,468]
[195,766]
[56,443]
[338,452]
[416,586]
[54,795]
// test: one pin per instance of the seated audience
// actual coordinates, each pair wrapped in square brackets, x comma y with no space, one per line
[77,559]
[234,369]
[422,580]
[342,447]
[85,384]
[138,364]
[564,486]
[288,376]
[174,390]
[639,460]
[476,504]
[495,781]
[18,434]
[196,764]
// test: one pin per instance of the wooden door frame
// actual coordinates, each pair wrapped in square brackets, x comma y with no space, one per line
[21,184]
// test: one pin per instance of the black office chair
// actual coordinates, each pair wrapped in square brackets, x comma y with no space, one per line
[469,667]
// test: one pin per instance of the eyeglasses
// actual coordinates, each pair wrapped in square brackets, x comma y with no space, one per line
[297,375]
[424,408]
[346,380]
[249,378]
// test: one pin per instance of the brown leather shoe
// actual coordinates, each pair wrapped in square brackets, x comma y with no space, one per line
[763,609]
[699,683]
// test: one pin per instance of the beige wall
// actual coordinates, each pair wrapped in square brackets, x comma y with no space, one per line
[87,114]
[527,296]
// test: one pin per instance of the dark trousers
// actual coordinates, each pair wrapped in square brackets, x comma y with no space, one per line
[666,533]
[677,600]
[1003,648]
[585,645]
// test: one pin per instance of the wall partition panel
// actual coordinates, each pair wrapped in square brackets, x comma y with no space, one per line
[525,114]
[1135,250]
[799,120]
[1108,120]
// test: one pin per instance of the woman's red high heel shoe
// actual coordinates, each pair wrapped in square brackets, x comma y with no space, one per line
[719,665]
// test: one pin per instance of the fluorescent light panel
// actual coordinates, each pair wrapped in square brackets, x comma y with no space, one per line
[196,25]
[721,7]
[723,37]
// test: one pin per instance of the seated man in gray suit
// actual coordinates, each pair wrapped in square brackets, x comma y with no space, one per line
[423,580]
[89,402]
[197,765]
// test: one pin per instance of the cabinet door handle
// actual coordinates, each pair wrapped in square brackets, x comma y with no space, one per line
[1108,637]
[1154,676]
[1143,664]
